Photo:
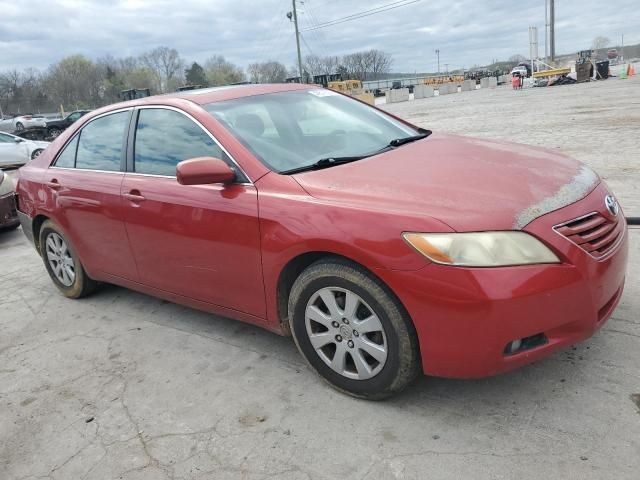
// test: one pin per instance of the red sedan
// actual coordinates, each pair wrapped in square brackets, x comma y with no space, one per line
[384,249]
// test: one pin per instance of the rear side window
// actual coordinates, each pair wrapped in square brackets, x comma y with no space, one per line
[164,138]
[67,159]
[100,144]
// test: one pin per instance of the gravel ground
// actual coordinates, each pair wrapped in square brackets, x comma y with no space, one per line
[124,386]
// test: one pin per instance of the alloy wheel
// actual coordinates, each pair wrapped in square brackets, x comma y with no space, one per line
[60,259]
[346,333]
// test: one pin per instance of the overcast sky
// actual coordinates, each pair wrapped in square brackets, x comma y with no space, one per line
[36,33]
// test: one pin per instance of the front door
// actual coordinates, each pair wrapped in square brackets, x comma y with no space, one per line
[199,241]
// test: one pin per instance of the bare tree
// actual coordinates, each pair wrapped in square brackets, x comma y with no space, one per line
[378,63]
[221,72]
[166,65]
[267,72]
[600,42]
[316,65]
[517,58]
[75,81]
[312,64]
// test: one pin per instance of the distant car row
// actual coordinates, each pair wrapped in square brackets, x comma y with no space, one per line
[47,129]
[21,122]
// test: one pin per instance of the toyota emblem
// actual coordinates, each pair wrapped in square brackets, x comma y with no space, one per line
[612,205]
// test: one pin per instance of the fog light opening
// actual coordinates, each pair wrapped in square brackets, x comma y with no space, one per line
[513,347]
[521,344]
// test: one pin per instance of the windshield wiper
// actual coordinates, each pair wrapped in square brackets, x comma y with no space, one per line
[332,161]
[325,163]
[401,141]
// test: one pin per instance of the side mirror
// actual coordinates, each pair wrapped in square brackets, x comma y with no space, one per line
[204,171]
[19,140]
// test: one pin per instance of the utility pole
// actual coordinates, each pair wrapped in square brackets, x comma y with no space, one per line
[438,54]
[622,49]
[533,47]
[552,29]
[295,22]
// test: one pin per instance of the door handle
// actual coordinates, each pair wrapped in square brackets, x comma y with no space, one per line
[54,184]
[134,196]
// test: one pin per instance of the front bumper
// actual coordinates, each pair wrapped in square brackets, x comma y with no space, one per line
[465,317]
[8,212]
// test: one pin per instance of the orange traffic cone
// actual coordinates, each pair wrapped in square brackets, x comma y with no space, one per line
[632,71]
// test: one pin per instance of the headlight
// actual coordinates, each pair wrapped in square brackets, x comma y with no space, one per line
[481,249]
[6,185]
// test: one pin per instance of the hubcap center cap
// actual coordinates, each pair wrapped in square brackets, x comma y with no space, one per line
[346,332]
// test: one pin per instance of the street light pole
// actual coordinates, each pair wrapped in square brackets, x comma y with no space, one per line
[438,54]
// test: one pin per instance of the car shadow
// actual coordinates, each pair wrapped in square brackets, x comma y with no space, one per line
[519,390]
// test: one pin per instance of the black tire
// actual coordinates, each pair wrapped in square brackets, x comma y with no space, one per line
[54,132]
[402,363]
[36,153]
[82,285]
[19,127]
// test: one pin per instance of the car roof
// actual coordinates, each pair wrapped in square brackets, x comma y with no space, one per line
[203,96]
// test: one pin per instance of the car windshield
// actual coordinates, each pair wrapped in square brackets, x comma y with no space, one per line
[293,130]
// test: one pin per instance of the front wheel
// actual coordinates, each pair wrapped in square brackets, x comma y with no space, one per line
[352,330]
[63,264]
[19,127]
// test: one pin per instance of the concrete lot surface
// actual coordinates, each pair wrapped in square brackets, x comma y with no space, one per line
[124,386]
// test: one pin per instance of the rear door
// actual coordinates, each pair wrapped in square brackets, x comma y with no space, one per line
[83,186]
[199,241]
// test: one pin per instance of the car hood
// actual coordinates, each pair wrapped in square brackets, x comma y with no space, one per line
[468,183]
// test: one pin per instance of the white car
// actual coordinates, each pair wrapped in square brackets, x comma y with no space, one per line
[521,71]
[16,124]
[16,151]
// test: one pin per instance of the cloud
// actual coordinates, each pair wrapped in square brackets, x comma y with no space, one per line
[38,33]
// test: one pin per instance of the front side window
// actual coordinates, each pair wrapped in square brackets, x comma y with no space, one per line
[100,144]
[67,158]
[290,130]
[165,138]
[6,138]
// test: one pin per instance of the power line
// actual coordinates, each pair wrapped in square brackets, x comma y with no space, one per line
[318,35]
[364,13]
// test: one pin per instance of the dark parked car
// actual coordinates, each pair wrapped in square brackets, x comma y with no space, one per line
[56,127]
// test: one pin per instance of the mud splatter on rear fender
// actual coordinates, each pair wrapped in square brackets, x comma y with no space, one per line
[578,188]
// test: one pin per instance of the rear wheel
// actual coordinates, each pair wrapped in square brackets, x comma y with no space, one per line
[63,264]
[19,127]
[352,330]
[54,132]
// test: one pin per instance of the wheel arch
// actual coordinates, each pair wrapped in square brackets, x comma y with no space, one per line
[36,223]
[296,265]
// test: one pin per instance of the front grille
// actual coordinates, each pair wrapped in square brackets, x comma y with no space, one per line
[594,233]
